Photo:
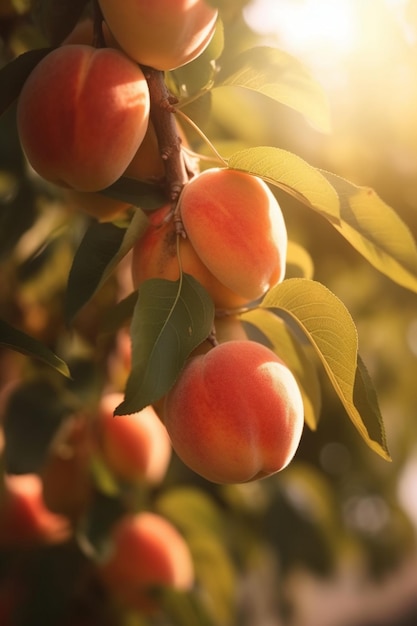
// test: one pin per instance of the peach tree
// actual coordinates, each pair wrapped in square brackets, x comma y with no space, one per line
[148,256]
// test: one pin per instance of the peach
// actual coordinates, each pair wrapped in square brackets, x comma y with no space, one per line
[163,34]
[235,414]
[155,256]
[147,551]
[24,519]
[135,447]
[81,116]
[236,227]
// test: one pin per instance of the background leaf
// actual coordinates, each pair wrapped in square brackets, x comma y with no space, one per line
[375,230]
[101,249]
[136,192]
[278,75]
[15,339]
[292,174]
[14,74]
[57,19]
[332,332]
[171,318]
[284,344]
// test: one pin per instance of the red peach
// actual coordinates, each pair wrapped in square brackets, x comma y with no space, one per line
[82,114]
[163,34]
[24,519]
[147,552]
[135,447]
[235,414]
[236,227]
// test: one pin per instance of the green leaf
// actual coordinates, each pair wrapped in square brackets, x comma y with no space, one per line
[57,19]
[138,193]
[101,249]
[120,314]
[17,340]
[282,341]
[329,327]
[374,229]
[291,174]
[171,318]
[14,74]
[299,263]
[281,77]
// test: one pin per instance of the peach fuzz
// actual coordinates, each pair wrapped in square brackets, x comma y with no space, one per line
[236,227]
[235,414]
[81,115]
[24,519]
[135,447]
[146,551]
[163,34]
[155,256]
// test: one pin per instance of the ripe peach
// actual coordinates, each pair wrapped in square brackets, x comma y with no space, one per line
[236,227]
[147,551]
[81,115]
[24,519]
[163,34]
[235,414]
[155,256]
[135,447]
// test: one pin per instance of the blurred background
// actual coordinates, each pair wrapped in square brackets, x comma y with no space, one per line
[331,541]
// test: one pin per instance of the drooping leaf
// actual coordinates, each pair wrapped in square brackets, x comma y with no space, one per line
[120,314]
[284,344]
[14,74]
[136,192]
[15,339]
[329,327]
[57,19]
[280,76]
[171,318]
[291,174]
[101,249]
[374,229]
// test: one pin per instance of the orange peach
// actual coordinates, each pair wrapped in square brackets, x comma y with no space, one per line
[163,34]
[147,551]
[135,447]
[235,414]
[24,519]
[155,256]
[81,116]
[236,227]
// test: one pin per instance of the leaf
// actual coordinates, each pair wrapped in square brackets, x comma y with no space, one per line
[291,174]
[136,192]
[17,340]
[101,249]
[374,229]
[299,263]
[281,77]
[171,318]
[284,344]
[120,314]
[329,327]
[57,19]
[14,74]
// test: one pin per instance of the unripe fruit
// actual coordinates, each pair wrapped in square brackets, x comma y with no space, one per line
[24,519]
[147,551]
[235,414]
[236,227]
[163,34]
[81,115]
[136,447]
[155,256]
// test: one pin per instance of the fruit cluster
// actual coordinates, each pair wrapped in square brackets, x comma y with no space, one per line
[86,117]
